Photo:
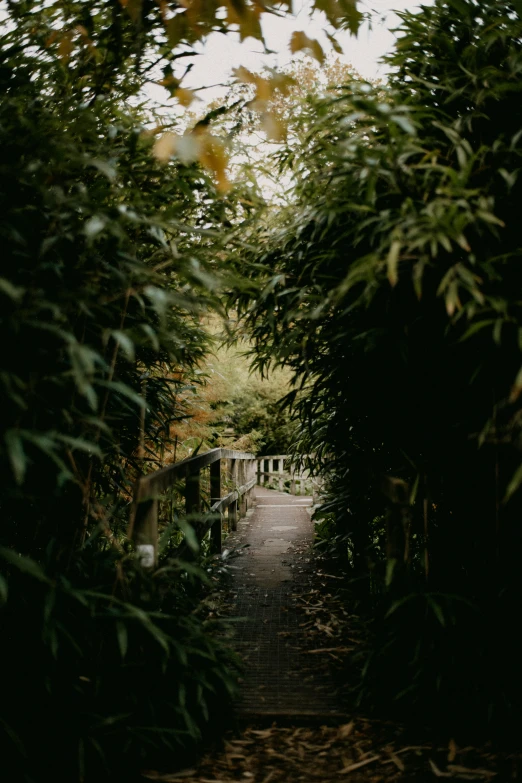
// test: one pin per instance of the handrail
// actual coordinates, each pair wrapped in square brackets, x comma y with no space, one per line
[160,480]
[143,524]
[211,517]
[225,502]
[296,478]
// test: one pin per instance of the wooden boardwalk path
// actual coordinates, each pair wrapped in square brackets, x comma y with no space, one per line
[273,583]
[272,579]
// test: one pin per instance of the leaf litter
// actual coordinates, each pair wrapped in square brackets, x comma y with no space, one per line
[360,750]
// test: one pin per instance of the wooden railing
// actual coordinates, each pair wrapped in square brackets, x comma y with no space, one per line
[150,490]
[277,470]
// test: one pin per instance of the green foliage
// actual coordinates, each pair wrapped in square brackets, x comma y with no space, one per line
[108,267]
[234,407]
[390,289]
[260,411]
[105,276]
[105,666]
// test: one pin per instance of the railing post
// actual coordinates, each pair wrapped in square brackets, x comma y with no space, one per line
[248,475]
[145,532]
[252,476]
[281,466]
[215,495]
[232,509]
[241,481]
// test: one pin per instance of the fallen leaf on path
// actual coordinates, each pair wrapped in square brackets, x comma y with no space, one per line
[437,772]
[345,730]
[328,650]
[470,774]
[170,776]
[453,750]
[358,765]
[397,761]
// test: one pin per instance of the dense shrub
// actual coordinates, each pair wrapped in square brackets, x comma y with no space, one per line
[106,667]
[391,290]
[105,274]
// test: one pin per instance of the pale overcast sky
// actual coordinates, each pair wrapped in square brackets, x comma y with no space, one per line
[222,53]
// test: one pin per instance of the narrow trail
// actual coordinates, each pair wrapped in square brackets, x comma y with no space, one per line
[291,726]
[272,579]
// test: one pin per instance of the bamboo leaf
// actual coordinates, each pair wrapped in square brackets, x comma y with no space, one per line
[16,454]
[24,564]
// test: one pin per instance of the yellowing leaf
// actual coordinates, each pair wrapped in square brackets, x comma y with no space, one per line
[177,29]
[163,6]
[516,389]
[393,261]
[452,751]
[214,157]
[300,41]
[233,15]
[264,89]
[65,47]
[275,129]
[331,10]
[245,76]
[186,148]
[170,83]
[164,147]
[335,43]
[282,82]
[184,96]
[199,146]
[133,8]
[52,38]
[250,26]
[452,298]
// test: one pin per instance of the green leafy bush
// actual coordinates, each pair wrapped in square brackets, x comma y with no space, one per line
[107,269]
[106,272]
[106,667]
